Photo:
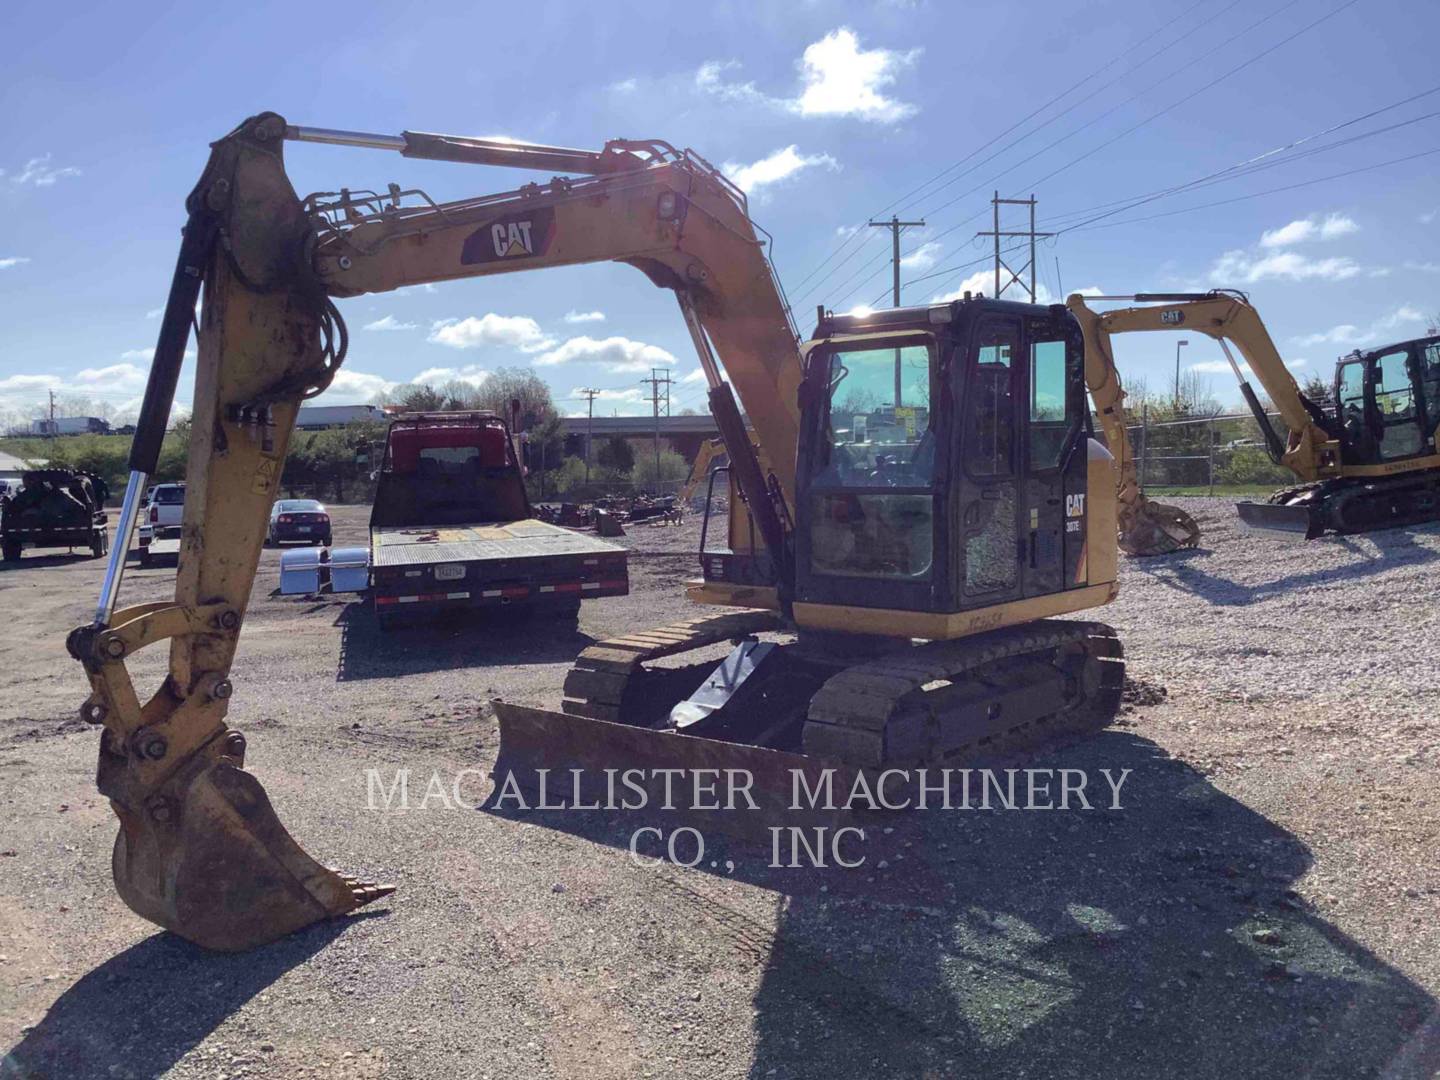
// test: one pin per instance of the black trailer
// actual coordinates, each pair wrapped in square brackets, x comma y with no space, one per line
[55,508]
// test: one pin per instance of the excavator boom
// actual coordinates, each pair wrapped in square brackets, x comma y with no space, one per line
[200,851]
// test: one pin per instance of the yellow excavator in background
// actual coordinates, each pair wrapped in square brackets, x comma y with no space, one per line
[711,452]
[1371,463]
[922,495]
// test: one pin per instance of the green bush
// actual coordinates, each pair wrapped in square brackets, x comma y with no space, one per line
[672,467]
[1249,465]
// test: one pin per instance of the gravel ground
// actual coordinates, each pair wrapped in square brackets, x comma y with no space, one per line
[1265,903]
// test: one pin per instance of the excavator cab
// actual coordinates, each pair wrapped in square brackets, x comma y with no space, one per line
[942,464]
[1387,402]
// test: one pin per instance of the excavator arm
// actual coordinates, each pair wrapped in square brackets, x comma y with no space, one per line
[200,851]
[1308,448]
[1145,527]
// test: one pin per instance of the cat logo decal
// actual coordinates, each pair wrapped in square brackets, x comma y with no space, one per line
[515,236]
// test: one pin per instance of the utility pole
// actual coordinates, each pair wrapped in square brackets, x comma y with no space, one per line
[589,395]
[1182,341]
[52,414]
[1029,234]
[657,380]
[895,225]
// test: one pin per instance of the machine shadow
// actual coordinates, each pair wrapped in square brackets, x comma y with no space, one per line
[37,562]
[452,641]
[1397,548]
[178,993]
[1160,939]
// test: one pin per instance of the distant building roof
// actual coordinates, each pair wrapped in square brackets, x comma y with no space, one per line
[322,416]
[10,464]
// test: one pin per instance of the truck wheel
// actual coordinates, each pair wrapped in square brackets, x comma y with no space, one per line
[12,551]
[145,559]
[97,545]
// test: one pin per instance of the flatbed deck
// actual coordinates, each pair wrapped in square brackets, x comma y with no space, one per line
[515,540]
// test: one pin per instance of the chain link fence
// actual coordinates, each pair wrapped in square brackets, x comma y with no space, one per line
[1204,454]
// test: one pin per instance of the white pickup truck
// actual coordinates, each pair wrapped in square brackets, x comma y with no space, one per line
[160,522]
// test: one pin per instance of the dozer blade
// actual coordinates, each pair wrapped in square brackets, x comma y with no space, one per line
[1159,529]
[1278,521]
[209,860]
[541,751]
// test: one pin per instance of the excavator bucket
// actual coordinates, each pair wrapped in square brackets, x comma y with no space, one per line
[212,863]
[1159,529]
[1278,521]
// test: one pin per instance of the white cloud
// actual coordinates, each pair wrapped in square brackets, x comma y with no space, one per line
[842,79]
[118,375]
[584,316]
[154,313]
[20,384]
[1241,267]
[837,78]
[624,86]
[847,231]
[1350,335]
[389,322]
[7,261]
[505,331]
[1303,230]
[619,354]
[1424,267]
[1429,216]
[438,376]
[423,287]
[923,257]
[149,354]
[696,376]
[774,168]
[354,387]
[41,173]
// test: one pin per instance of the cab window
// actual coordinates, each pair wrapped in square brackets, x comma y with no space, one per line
[1395,401]
[875,439]
[872,510]
[989,450]
[1048,426]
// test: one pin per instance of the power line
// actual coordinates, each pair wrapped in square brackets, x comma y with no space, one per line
[1244,64]
[1181,101]
[1259,163]
[1259,194]
[1024,120]
[1196,93]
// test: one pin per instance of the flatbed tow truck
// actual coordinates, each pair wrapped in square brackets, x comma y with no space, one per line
[453,527]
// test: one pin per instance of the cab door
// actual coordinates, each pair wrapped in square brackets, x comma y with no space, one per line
[1397,405]
[990,500]
[1055,474]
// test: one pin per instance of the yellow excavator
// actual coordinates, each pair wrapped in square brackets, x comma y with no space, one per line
[1371,461]
[922,496]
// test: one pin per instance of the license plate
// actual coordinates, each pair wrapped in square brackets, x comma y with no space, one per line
[450,572]
[302,528]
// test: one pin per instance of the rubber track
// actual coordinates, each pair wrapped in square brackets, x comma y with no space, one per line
[1353,506]
[860,714]
[595,686]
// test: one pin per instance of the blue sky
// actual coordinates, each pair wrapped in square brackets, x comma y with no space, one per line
[828,112]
